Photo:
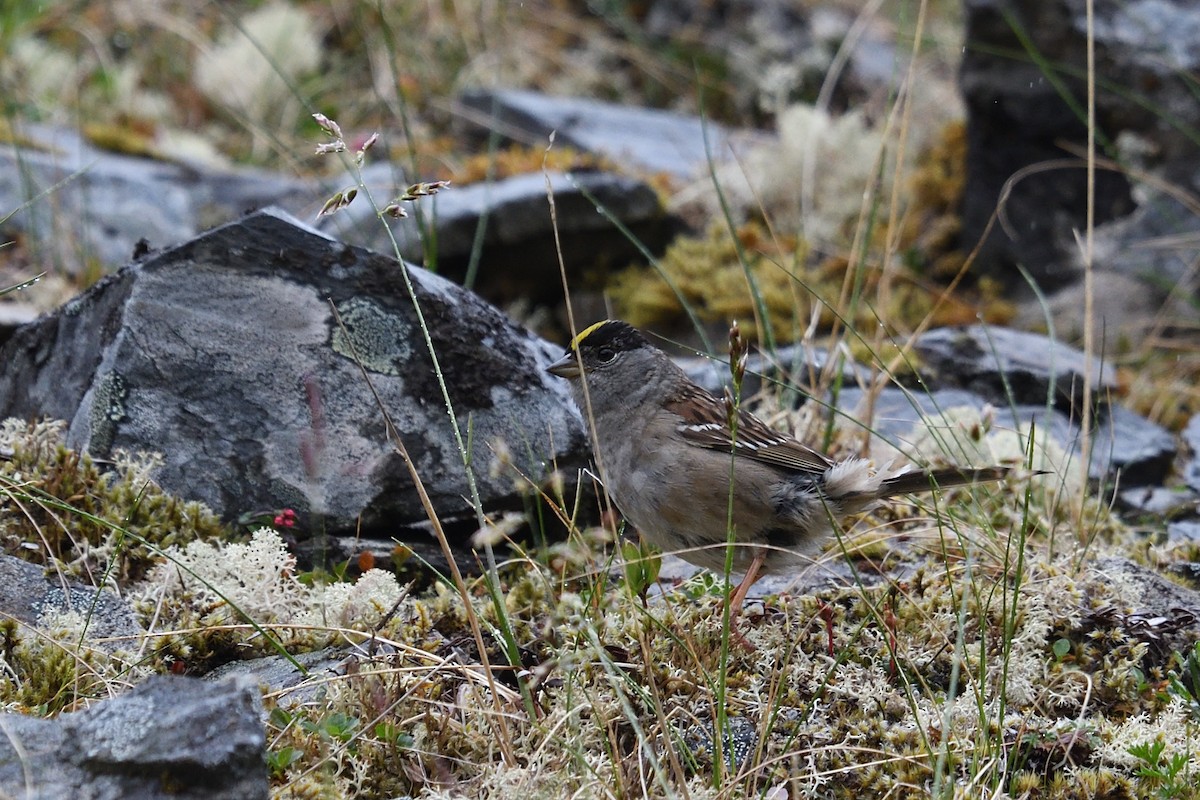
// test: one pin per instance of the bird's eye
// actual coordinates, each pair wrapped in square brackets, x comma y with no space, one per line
[605,354]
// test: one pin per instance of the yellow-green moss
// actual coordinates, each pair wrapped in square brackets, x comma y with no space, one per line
[65,511]
[710,278]
[520,160]
[707,274]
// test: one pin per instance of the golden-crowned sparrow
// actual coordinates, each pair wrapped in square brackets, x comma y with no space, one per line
[667,456]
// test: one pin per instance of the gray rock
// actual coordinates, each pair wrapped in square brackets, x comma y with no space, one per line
[108,207]
[26,593]
[1124,307]
[792,365]
[95,202]
[778,52]
[644,139]
[170,737]
[1191,438]
[83,201]
[1184,530]
[1018,117]
[279,675]
[12,316]
[510,220]
[1155,246]
[1009,366]
[1158,611]
[738,743]
[1124,445]
[895,411]
[1159,502]
[224,355]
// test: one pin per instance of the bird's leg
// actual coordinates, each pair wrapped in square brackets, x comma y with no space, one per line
[739,593]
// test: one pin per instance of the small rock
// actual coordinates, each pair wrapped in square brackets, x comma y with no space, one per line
[170,737]
[1123,444]
[1024,126]
[995,362]
[792,365]
[1184,530]
[26,593]
[1191,438]
[510,220]
[102,203]
[1159,501]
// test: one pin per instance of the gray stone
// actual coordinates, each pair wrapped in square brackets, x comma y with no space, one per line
[224,355]
[279,675]
[1024,112]
[895,411]
[778,52]
[1124,445]
[1127,444]
[77,202]
[792,366]
[170,737]
[26,593]
[1159,502]
[13,315]
[1123,309]
[738,742]
[1009,366]
[1191,438]
[1161,609]
[510,223]
[1184,530]
[645,140]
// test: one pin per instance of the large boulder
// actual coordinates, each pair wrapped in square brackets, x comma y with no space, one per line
[225,355]
[1023,79]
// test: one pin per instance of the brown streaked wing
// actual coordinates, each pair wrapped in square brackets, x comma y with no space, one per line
[705,424]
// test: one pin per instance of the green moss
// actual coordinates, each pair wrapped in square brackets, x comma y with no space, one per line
[90,524]
[710,278]
[523,159]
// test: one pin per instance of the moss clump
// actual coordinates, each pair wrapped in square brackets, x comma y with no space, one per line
[718,276]
[707,274]
[520,160]
[932,223]
[96,526]
[128,136]
[52,671]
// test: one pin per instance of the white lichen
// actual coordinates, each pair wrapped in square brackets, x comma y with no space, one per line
[256,579]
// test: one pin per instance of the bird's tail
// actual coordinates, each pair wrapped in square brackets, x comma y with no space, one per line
[928,480]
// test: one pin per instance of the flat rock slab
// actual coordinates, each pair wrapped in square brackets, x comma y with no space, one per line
[647,140]
[1011,366]
[794,365]
[1124,445]
[225,356]
[74,198]
[26,593]
[1191,437]
[508,226]
[170,737]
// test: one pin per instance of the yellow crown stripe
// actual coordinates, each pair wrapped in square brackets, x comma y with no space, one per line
[583,334]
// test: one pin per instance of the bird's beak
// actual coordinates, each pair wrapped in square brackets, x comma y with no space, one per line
[566,367]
